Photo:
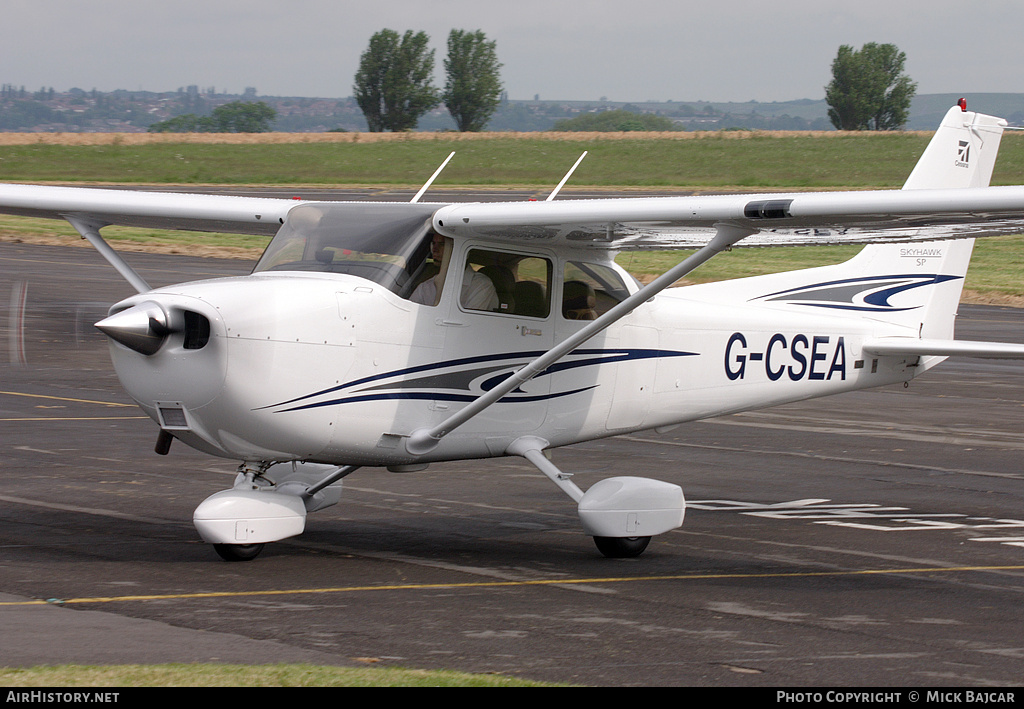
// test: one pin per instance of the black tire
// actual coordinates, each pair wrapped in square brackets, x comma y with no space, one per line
[238,552]
[622,547]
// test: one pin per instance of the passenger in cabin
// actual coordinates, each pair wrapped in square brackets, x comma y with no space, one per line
[478,292]
[578,301]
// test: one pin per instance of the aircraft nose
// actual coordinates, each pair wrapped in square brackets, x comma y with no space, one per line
[169,352]
[143,327]
[147,326]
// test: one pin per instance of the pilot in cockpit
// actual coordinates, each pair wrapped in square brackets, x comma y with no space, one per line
[477,293]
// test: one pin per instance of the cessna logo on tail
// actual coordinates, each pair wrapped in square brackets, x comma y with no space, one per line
[963,154]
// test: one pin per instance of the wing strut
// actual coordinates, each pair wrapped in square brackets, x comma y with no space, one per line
[90,231]
[566,178]
[425,440]
[432,178]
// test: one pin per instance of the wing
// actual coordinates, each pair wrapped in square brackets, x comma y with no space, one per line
[946,197]
[618,224]
[775,219]
[157,210]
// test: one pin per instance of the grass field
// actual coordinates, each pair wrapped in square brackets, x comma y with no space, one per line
[210,675]
[705,161]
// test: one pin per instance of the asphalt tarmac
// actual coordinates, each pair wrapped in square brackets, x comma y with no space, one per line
[871,539]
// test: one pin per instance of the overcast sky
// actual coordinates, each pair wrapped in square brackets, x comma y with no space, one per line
[626,50]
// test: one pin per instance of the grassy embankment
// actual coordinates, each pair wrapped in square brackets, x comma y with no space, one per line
[212,675]
[729,161]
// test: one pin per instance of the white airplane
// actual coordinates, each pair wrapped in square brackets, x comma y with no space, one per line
[401,334]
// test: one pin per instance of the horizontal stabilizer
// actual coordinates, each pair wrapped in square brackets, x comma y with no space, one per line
[943,348]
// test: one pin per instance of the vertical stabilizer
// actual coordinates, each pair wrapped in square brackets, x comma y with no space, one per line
[961,154]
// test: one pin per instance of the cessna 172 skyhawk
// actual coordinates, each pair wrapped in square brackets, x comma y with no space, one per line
[402,334]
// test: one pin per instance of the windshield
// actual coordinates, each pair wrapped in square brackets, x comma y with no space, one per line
[384,243]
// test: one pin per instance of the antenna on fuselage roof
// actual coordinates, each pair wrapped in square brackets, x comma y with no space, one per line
[433,177]
[567,176]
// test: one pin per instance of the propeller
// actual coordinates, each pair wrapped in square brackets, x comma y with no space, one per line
[142,327]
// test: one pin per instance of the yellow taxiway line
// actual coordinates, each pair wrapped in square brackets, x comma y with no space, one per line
[65,398]
[69,418]
[504,584]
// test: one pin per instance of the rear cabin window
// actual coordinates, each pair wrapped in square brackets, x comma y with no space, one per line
[589,290]
[509,283]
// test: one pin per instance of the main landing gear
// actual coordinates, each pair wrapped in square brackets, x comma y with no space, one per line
[238,552]
[621,547]
[269,502]
[622,513]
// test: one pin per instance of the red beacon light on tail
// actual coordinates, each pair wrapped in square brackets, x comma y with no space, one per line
[962,103]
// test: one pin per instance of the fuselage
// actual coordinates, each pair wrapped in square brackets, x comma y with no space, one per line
[336,368]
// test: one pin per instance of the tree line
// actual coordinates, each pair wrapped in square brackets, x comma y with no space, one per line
[869,90]
[394,88]
[394,83]
[233,117]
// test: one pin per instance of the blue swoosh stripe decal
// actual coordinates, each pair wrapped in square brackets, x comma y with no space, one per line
[431,396]
[445,387]
[433,366]
[842,294]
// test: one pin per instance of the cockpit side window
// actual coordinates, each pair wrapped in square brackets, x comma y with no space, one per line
[383,243]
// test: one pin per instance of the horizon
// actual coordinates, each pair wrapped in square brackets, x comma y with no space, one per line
[205,91]
[657,51]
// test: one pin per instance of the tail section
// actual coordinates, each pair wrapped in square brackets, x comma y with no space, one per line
[916,286]
[961,154]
